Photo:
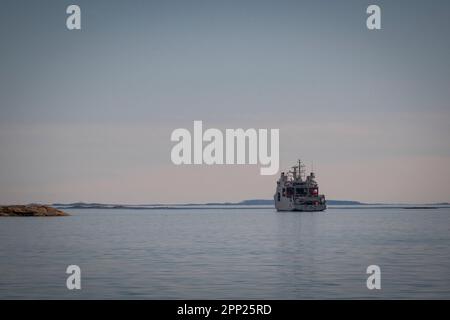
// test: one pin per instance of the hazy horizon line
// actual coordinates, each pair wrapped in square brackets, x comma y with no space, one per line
[242,202]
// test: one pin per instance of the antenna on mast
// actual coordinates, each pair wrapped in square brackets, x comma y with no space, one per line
[301,170]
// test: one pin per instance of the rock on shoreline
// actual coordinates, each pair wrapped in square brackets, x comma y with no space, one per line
[30,211]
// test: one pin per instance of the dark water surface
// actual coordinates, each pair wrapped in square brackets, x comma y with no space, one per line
[227,253]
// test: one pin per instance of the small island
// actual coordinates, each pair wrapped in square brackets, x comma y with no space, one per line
[31,210]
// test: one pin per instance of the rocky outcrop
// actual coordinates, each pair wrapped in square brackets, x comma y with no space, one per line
[30,211]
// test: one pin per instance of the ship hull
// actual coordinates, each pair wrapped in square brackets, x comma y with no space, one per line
[310,208]
[289,205]
[303,208]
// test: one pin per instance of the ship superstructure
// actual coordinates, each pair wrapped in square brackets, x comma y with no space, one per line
[297,192]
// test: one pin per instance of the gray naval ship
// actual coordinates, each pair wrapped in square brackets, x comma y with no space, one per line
[295,192]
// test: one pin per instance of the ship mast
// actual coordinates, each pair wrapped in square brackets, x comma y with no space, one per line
[294,173]
[299,175]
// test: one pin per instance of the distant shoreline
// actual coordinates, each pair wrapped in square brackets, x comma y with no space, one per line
[246,204]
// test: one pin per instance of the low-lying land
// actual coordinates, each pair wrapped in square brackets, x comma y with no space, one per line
[30,211]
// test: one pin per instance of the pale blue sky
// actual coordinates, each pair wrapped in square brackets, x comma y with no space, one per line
[87,115]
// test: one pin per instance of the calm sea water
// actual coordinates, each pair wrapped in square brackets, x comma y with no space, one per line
[227,253]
